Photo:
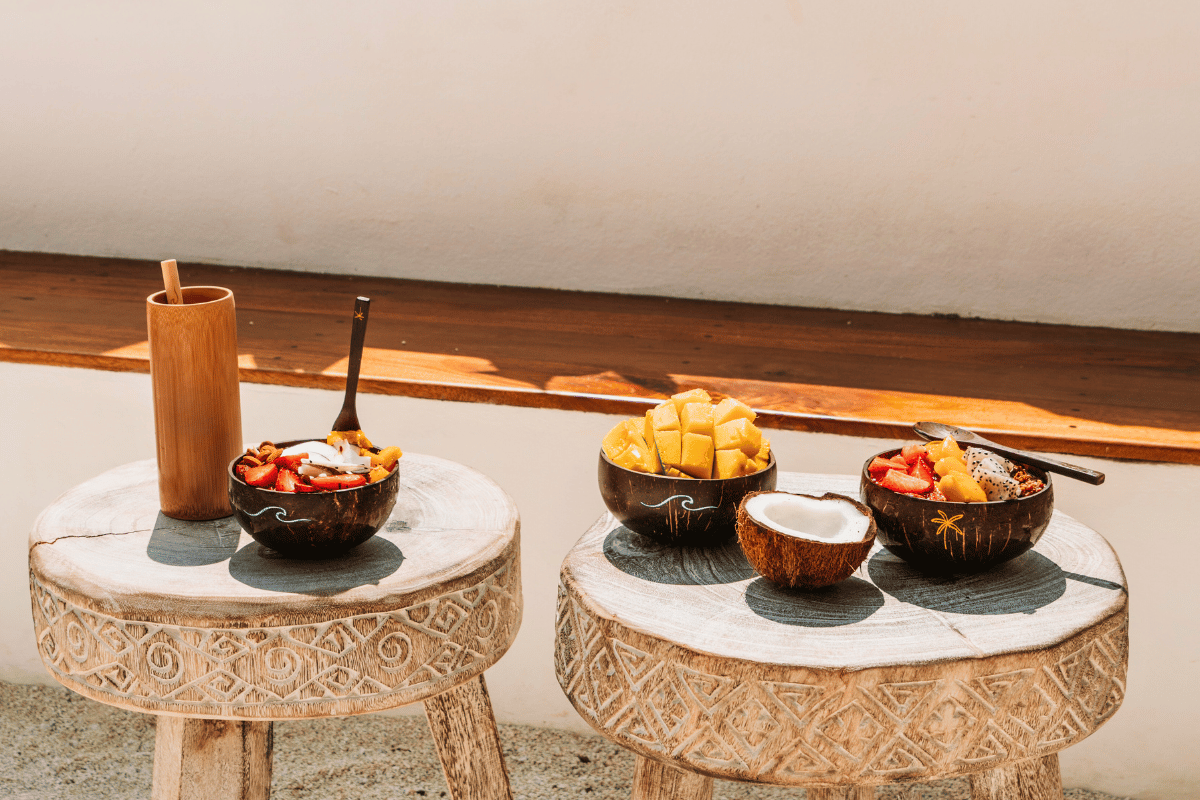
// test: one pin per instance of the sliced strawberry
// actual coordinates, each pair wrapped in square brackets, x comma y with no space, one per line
[881,465]
[904,483]
[261,476]
[291,462]
[910,452]
[920,469]
[240,470]
[287,481]
[331,483]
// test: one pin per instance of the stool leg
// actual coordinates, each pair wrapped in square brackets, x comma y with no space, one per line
[211,759]
[842,793]
[464,730]
[1035,779]
[653,780]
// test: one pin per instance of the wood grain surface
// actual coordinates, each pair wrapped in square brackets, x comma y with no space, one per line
[1033,779]
[654,780]
[211,759]
[194,618]
[686,655]
[464,730]
[1086,391]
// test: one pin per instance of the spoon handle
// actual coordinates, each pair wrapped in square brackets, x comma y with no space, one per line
[1036,459]
[347,419]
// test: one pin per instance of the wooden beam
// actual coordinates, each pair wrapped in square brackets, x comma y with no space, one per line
[1084,391]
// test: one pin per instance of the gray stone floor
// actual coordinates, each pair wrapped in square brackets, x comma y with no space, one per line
[55,745]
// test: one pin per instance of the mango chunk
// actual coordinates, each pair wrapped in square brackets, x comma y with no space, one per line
[674,473]
[648,436]
[691,396]
[740,434]
[665,416]
[378,473]
[625,447]
[763,456]
[697,418]
[946,448]
[697,458]
[731,464]
[960,488]
[950,464]
[386,457]
[730,409]
[669,445]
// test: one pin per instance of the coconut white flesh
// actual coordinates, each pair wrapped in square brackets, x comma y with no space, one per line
[316,449]
[808,518]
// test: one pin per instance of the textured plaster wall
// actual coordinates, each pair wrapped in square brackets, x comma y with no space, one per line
[80,423]
[1033,159]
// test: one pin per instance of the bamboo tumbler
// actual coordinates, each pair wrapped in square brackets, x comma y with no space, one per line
[197,409]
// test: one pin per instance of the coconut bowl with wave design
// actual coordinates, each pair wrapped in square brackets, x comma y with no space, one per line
[312,524]
[678,511]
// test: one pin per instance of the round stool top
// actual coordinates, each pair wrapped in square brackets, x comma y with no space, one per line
[689,655]
[146,612]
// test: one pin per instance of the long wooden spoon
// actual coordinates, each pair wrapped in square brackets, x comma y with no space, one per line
[936,431]
[347,418]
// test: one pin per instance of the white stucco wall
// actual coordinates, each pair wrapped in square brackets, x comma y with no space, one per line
[80,422]
[1033,159]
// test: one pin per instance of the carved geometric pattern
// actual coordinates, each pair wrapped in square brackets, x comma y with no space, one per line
[290,670]
[837,731]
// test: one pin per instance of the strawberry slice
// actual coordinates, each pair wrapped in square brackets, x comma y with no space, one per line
[881,465]
[330,483]
[910,452]
[904,483]
[921,469]
[263,476]
[291,462]
[287,481]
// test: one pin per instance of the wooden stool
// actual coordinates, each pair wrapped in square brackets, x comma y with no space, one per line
[197,622]
[704,669]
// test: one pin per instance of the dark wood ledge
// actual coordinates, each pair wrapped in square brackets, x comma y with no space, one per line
[1086,391]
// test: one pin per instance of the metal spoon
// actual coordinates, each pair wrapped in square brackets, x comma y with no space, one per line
[936,431]
[347,418]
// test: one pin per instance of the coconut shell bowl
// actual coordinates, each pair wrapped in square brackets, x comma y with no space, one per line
[940,537]
[692,512]
[313,524]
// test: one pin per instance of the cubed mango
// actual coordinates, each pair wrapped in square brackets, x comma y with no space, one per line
[697,457]
[697,418]
[730,409]
[691,396]
[739,434]
[731,464]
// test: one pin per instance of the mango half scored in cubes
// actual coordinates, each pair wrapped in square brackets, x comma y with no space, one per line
[688,436]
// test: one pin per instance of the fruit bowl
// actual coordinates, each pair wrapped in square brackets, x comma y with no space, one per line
[313,524]
[943,537]
[678,511]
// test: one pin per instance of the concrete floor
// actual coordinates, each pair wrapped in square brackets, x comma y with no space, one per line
[56,745]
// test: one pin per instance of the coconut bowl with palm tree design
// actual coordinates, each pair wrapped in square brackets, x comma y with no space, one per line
[941,537]
[678,511]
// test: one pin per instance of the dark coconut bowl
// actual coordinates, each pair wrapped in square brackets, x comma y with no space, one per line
[941,537]
[312,524]
[678,511]
[802,563]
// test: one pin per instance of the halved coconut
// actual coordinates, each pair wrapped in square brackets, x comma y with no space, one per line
[799,540]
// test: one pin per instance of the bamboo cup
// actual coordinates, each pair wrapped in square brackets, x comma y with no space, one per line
[197,409]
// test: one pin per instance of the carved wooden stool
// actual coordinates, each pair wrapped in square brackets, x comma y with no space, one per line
[691,660]
[198,623]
